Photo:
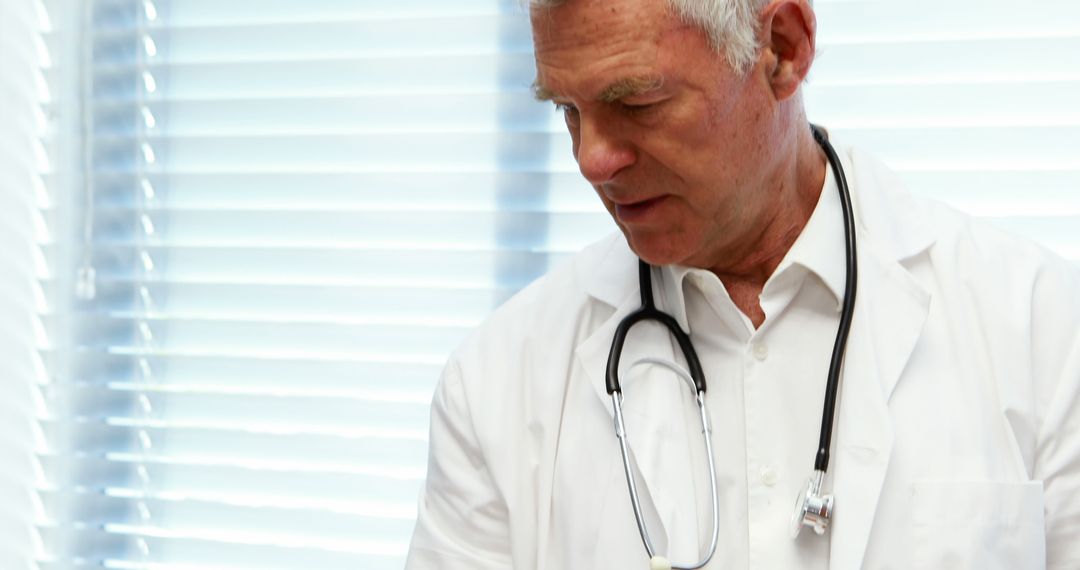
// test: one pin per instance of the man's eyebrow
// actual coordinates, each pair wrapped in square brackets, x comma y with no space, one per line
[630,86]
[622,88]
[541,93]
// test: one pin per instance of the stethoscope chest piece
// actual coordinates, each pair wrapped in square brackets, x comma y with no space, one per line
[812,509]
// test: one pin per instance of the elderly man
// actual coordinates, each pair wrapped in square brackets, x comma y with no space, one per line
[957,426]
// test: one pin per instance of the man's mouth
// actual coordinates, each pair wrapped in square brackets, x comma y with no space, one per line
[638,211]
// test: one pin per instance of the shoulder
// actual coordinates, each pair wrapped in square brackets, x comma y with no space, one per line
[1005,298]
[514,370]
[912,229]
[550,313]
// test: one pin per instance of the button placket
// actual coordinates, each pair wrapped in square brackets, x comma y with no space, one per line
[769,475]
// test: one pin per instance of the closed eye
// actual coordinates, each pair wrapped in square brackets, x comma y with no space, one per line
[635,109]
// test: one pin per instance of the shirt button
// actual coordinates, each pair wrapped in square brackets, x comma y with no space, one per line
[769,476]
[761,352]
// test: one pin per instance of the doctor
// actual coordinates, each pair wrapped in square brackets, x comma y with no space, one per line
[957,434]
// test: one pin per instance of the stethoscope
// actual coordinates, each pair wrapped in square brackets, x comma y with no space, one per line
[812,508]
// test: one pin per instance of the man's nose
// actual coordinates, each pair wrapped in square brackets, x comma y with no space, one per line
[601,152]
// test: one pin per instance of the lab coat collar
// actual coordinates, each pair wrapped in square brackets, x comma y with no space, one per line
[890,310]
[882,201]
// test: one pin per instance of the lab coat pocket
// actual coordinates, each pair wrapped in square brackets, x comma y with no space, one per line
[978,525]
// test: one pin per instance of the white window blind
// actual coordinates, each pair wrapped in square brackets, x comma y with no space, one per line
[297,209]
[26,324]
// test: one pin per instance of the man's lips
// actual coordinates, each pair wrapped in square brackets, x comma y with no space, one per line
[637,211]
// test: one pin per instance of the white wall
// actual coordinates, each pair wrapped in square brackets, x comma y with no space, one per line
[19,133]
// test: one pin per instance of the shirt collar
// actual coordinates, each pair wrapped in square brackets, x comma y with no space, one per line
[820,247]
[819,250]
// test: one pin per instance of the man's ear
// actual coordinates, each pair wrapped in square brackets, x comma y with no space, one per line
[788,33]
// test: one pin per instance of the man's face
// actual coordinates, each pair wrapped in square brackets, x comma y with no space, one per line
[673,139]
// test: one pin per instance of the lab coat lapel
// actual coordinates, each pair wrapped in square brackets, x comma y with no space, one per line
[655,405]
[890,311]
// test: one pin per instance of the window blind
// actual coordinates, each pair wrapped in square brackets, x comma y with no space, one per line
[297,210]
[30,318]
[962,99]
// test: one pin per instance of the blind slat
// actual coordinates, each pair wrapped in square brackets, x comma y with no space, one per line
[122,548]
[518,191]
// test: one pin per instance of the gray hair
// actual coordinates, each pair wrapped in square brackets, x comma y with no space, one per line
[732,25]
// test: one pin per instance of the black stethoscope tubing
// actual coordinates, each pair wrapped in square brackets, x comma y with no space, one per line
[851,274]
[649,312]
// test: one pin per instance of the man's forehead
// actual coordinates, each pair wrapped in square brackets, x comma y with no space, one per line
[602,50]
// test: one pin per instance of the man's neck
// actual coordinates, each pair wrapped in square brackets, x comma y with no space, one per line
[799,191]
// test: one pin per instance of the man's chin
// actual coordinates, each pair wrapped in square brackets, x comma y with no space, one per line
[656,249]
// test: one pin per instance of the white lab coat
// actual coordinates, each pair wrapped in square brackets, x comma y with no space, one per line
[957,439]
